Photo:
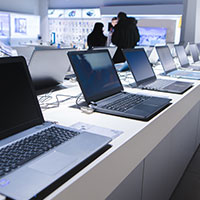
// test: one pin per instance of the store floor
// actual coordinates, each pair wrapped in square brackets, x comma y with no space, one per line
[189,186]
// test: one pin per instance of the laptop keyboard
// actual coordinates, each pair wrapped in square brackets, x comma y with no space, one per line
[158,84]
[22,151]
[126,102]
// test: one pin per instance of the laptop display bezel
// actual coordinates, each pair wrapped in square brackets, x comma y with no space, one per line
[161,60]
[29,124]
[179,48]
[102,95]
[149,79]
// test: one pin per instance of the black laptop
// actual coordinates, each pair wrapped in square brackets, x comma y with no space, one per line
[183,59]
[194,53]
[169,65]
[34,153]
[103,90]
[198,46]
[145,77]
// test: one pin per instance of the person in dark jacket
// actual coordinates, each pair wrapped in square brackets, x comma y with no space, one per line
[96,37]
[125,35]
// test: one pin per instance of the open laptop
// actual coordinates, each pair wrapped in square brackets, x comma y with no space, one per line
[153,57]
[34,153]
[25,51]
[172,49]
[145,77]
[111,49]
[198,46]
[120,67]
[194,53]
[169,65]
[103,90]
[48,68]
[183,59]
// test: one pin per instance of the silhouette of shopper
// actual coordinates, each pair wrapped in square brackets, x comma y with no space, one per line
[125,35]
[96,37]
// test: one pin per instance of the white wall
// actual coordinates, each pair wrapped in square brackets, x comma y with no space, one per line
[22,6]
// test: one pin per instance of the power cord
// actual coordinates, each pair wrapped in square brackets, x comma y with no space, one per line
[85,109]
[44,104]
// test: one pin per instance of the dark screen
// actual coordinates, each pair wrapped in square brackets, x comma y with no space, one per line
[166,58]
[18,105]
[182,55]
[194,52]
[96,74]
[139,63]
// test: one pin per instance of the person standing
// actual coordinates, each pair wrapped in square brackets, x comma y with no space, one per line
[111,27]
[96,37]
[125,35]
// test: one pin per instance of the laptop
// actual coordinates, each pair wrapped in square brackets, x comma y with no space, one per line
[194,53]
[48,69]
[172,49]
[34,153]
[145,77]
[111,49]
[198,46]
[169,65]
[25,51]
[183,59]
[153,57]
[103,90]
[120,67]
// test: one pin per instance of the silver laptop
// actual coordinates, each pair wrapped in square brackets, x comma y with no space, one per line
[35,154]
[48,68]
[25,51]
[169,65]
[172,49]
[183,59]
[103,90]
[153,57]
[145,77]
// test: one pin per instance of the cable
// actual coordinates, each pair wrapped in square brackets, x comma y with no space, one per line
[79,97]
[46,97]
[85,109]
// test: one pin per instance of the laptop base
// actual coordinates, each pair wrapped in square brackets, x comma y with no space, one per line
[70,174]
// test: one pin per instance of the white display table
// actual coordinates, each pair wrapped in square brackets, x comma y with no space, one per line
[146,161]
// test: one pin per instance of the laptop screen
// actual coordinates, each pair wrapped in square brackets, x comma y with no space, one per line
[139,65]
[182,56]
[96,74]
[194,52]
[48,67]
[19,107]
[166,58]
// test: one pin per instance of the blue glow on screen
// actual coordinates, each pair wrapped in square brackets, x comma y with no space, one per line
[150,36]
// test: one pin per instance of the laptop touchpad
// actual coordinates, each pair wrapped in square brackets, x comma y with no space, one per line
[52,163]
